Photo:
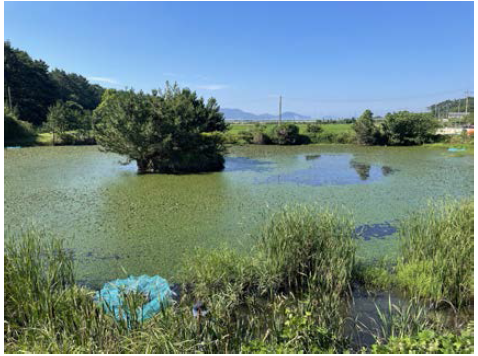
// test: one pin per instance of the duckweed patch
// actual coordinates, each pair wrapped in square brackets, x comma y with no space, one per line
[150,222]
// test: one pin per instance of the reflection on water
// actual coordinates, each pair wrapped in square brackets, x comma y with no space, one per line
[379,231]
[311,157]
[331,170]
[363,313]
[386,170]
[235,164]
[362,169]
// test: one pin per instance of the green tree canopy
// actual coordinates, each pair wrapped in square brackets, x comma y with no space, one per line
[57,119]
[15,131]
[27,85]
[366,130]
[32,89]
[74,87]
[406,128]
[165,131]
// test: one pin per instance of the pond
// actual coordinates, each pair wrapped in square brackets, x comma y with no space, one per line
[118,222]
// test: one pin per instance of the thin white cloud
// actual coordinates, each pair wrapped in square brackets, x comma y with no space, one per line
[104,80]
[213,86]
[202,77]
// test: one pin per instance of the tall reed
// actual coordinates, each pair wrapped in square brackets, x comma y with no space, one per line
[305,245]
[436,248]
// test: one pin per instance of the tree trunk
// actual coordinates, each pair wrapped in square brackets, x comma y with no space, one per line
[142,165]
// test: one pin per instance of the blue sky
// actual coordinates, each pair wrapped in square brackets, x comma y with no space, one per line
[326,59]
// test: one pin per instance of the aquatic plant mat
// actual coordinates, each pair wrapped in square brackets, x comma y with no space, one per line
[113,219]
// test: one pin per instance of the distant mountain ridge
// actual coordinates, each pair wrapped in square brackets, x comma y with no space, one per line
[238,114]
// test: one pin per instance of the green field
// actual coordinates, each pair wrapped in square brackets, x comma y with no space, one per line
[328,128]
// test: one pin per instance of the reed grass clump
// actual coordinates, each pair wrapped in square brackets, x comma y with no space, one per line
[299,248]
[37,276]
[436,247]
[307,245]
[287,296]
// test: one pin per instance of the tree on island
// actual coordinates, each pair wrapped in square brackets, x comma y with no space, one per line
[170,131]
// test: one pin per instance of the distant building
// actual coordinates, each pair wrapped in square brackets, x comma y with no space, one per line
[456,115]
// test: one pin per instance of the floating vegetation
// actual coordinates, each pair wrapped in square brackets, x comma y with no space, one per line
[145,224]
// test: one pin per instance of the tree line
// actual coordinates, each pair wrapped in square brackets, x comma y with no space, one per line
[31,89]
[401,128]
[453,105]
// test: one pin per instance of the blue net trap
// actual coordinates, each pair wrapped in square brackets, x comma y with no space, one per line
[155,293]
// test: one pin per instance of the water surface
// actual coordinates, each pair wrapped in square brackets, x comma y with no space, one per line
[116,220]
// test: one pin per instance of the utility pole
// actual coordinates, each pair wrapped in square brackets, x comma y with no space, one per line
[280,109]
[466,105]
[9,98]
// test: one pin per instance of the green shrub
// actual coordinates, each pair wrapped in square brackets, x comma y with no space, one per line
[245,136]
[436,248]
[406,128]
[333,137]
[324,137]
[260,138]
[67,139]
[463,138]
[16,131]
[284,134]
[302,332]
[429,342]
[377,274]
[346,138]
[313,128]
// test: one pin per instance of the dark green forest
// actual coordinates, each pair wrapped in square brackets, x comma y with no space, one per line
[453,105]
[30,87]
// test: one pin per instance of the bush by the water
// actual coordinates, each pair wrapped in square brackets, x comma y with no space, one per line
[333,137]
[402,128]
[259,134]
[163,131]
[284,134]
[16,131]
